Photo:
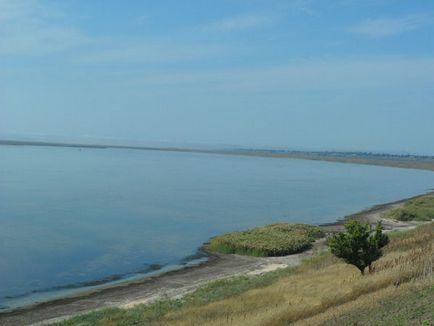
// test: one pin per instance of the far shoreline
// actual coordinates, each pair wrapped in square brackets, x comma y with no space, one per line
[180,281]
[418,162]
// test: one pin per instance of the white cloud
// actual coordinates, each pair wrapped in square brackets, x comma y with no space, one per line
[150,52]
[304,6]
[309,76]
[37,27]
[240,23]
[30,27]
[384,27]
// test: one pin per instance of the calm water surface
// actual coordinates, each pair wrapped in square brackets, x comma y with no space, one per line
[70,216]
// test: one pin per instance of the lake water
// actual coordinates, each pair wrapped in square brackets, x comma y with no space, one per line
[69,217]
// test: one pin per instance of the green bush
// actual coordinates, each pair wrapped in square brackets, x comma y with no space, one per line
[359,245]
[270,240]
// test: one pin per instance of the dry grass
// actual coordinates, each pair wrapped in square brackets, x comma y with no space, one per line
[391,306]
[323,291]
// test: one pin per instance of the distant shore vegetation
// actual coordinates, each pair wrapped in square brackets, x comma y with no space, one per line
[418,209]
[270,240]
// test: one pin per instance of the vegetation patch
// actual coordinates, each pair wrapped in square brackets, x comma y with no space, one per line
[269,240]
[418,209]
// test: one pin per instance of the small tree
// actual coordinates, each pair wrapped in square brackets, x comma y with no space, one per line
[359,245]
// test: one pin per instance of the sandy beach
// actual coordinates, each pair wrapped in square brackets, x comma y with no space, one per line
[177,283]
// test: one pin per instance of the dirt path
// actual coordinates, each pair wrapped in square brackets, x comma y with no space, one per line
[372,216]
[177,283]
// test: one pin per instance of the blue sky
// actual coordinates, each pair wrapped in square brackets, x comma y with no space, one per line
[304,74]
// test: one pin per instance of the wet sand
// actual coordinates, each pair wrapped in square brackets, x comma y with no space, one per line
[177,283]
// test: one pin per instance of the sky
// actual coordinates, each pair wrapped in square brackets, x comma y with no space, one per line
[296,74]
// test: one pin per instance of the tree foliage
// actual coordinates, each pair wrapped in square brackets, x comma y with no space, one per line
[359,245]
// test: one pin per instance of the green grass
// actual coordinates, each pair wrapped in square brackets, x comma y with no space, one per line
[269,240]
[418,209]
[415,307]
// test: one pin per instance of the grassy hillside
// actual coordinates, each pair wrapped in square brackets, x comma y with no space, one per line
[321,291]
[269,240]
[418,209]
[409,304]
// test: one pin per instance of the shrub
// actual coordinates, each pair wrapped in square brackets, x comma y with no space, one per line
[357,245]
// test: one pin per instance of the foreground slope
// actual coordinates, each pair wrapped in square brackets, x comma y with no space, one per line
[322,290]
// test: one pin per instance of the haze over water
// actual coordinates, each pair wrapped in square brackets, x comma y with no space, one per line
[72,216]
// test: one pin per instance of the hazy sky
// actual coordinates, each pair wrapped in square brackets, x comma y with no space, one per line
[310,74]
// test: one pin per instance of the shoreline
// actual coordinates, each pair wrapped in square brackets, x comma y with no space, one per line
[176,283]
[418,162]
